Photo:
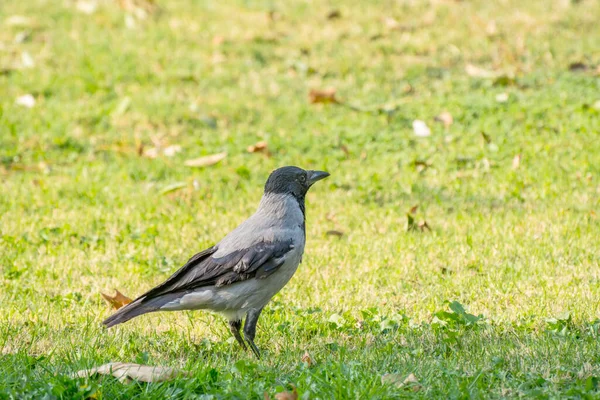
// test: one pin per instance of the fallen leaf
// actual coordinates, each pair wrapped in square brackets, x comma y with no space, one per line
[516,162]
[344,148]
[334,14]
[502,97]
[420,128]
[205,161]
[26,100]
[125,372]
[322,96]
[307,359]
[259,147]
[173,187]
[445,118]
[87,6]
[27,60]
[334,233]
[218,40]
[392,23]
[423,225]
[287,395]
[18,20]
[414,209]
[170,151]
[410,382]
[478,72]
[118,300]
[578,67]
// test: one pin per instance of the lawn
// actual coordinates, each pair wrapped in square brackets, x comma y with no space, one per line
[465,253]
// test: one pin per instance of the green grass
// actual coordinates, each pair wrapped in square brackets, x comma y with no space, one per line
[81,212]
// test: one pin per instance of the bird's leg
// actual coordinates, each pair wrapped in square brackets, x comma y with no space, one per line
[250,329]
[234,327]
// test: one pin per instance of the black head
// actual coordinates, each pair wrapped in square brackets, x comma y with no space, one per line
[293,180]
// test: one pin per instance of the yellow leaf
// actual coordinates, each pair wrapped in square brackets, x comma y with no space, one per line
[205,161]
[118,300]
[125,372]
[322,96]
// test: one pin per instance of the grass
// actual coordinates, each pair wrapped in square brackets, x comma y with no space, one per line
[513,241]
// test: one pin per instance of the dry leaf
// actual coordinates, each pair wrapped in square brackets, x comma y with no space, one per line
[26,100]
[414,209]
[322,96]
[334,233]
[516,162]
[334,14]
[344,148]
[125,372]
[502,97]
[445,118]
[410,382]
[478,72]
[307,359]
[86,6]
[392,23]
[118,300]
[287,395]
[420,128]
[578,67]
[18,20]
[205,161]
[259,147]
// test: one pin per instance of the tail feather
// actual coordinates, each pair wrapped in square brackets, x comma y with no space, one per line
[138,307]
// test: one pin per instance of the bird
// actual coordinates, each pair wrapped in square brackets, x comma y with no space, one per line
[239,275]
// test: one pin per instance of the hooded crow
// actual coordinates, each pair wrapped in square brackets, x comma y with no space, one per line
[238,276]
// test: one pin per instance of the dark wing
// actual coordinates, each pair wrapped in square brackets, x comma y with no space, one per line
[203,269]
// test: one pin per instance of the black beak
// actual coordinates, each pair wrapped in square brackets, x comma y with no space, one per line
[314,176]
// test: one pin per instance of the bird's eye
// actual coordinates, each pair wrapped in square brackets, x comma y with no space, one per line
[302,178]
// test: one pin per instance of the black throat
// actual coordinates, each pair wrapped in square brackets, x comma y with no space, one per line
[302,205]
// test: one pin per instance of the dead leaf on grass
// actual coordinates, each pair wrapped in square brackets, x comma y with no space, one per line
[445,118]
[333,232]
[26,100]
[516,162]
[478,72]
[410,382]
[117,301]
[322,96]
[307,359]
[413,209]
[293,395]
[578,67]
[126,372]
[260,147]
[420,128]
[205,161]
[334,14]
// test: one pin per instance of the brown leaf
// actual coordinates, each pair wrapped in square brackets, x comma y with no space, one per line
[260,147]
[478,72]
[392,23]
[334,14]
[118,300]
[410,382]
[344,148]
[578,67]
[322,96]
[307,359]
[287,395]
[334,233]
[205,161]
[414,209]
[445,118]
[516,162]
[126,372]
